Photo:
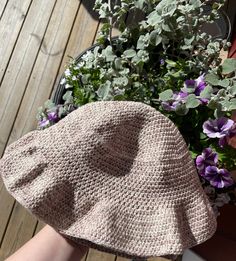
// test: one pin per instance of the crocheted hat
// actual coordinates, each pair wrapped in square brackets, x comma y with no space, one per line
[113,175]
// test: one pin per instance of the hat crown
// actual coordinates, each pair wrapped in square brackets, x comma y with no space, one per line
[114,175]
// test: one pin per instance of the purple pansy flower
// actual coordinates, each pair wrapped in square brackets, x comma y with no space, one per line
[177,99]
[217,128]
[198,86]
[162,61]
[218,178]
[190,83]
[43,123]
[207,158]
[231,133]
[52,116]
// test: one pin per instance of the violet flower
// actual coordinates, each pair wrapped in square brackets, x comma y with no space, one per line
[162,62]
[218,178]
[52,116]
[217,128]
[44,123]
[178,98]
[207,158]
[198,86]
[231,133]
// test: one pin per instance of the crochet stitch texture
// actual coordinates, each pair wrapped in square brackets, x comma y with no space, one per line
[113,175]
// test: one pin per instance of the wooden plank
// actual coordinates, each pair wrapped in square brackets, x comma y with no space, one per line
[24,55]
[82,35]
[45,69]
[40,225]
[119,258]
[3,7]
[95,255]
[19,230]
[150,259]
[10,27]
[6,205]
[84,257]
[158,259]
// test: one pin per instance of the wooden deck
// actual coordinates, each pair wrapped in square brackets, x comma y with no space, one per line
[36,38]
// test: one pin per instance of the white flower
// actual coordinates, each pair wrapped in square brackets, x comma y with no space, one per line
[79,65]
[68,86]
[63,81]
[67,72]
[74,78]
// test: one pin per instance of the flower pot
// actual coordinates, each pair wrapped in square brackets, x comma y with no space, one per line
[222,245]
[60,89]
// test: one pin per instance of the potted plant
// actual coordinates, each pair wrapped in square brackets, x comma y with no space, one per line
[166,61]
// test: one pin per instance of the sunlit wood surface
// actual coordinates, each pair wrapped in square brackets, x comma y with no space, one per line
[36,38]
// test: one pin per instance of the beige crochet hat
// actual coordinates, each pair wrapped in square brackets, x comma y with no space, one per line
[113,175]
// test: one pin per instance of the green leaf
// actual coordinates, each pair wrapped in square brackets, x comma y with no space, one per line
[129,53]
[104,90]
[154,18]
[192,101]
[144,55]
[166,8]
[218,113]
[120,81]
[212,79]
[195,3]
[109,54]
[143,41]
[67,97]
[193,154]
[61,112]
[213,104]
[139,4]
[166,27]
[232,90]
[166,95]
[49,104]
[188,41]
[225,105]
[118,64]
[181,109]
[207,92]
[224,83]
[171,63]
[232,104]
[155,38]
[228,66]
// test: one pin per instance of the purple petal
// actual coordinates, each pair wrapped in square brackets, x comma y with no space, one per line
[52,116]
[199,89]
[200,79]
[44,123]
[225,124]
[219,178]
[217,128]
[222,142]
[190,83]
[204,100]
